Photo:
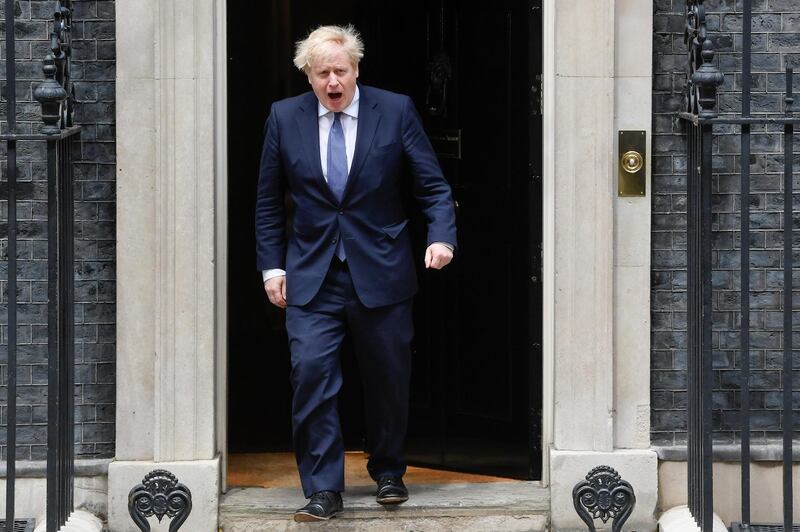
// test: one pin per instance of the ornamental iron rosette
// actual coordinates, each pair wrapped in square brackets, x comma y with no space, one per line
[159,494]
[605,495]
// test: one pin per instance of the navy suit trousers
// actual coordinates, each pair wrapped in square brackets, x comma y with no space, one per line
[381,337]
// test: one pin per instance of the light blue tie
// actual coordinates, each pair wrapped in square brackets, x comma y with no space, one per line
[337,168]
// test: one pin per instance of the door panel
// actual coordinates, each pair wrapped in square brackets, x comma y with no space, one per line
[473,319]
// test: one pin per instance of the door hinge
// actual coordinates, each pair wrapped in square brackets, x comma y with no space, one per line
[535,424]
[537,97]
[536,266]
[533,173]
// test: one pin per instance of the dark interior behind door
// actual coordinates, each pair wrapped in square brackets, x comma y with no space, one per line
[471,70]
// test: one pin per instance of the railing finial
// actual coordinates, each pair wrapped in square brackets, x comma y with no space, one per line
[707,78]
[50,94]
[57,85]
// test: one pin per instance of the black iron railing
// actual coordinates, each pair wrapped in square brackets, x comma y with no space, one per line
[59,133]
[700,117]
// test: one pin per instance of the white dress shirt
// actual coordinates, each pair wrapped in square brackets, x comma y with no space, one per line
[349,121]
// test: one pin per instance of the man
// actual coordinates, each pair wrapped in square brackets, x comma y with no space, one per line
[339,151]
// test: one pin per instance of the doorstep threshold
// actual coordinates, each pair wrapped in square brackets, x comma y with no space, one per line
[444,500]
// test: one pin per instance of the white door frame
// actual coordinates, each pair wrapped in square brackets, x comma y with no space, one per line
[221,203]
[221,231]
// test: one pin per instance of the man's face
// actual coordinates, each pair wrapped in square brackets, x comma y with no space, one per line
[333,78]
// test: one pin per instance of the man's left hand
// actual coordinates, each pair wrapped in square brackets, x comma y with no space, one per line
[437,256]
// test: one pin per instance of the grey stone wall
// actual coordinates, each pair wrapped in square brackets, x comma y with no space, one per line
[93,71]
[775,44]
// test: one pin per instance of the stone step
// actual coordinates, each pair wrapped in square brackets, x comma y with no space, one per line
[491,506]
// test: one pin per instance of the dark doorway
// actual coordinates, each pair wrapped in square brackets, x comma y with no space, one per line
[473,74]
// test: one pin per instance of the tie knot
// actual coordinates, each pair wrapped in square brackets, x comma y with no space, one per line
[337,116]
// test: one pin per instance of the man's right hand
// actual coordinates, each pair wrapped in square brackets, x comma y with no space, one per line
[276,290]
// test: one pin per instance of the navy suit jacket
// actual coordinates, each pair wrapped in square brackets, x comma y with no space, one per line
[370,217]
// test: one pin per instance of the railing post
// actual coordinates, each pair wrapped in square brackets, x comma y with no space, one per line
[702,81]
[788,225]
[745,262]
[705,353]
[11,173]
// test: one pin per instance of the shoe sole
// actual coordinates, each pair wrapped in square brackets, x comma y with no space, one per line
[392,500]
[304,517]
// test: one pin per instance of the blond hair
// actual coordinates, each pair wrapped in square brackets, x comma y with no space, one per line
[317,42]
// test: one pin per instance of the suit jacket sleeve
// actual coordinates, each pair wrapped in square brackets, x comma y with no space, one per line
[430,187]
[270,206]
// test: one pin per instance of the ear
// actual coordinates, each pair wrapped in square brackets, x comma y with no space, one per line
[356,71]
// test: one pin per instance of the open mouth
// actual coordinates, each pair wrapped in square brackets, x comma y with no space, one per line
[335,96]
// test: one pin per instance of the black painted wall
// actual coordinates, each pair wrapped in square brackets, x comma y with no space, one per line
[775,44]
[95,246]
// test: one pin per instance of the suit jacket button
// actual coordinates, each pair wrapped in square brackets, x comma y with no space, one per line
[341,212]
[333,241]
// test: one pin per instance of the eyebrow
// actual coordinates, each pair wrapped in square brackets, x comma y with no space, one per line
[332,67]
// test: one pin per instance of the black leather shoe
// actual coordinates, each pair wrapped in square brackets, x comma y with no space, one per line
[322,506]
[391,490]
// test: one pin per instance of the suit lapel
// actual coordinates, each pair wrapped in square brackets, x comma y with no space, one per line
[308,124]
[368,119]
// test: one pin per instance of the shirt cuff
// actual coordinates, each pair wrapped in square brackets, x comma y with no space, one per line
[451,247]
[269,274]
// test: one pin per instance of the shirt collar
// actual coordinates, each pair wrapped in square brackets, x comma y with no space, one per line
[350,110]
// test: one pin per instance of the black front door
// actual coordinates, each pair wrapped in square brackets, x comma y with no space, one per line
[476,377]
[476,403]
